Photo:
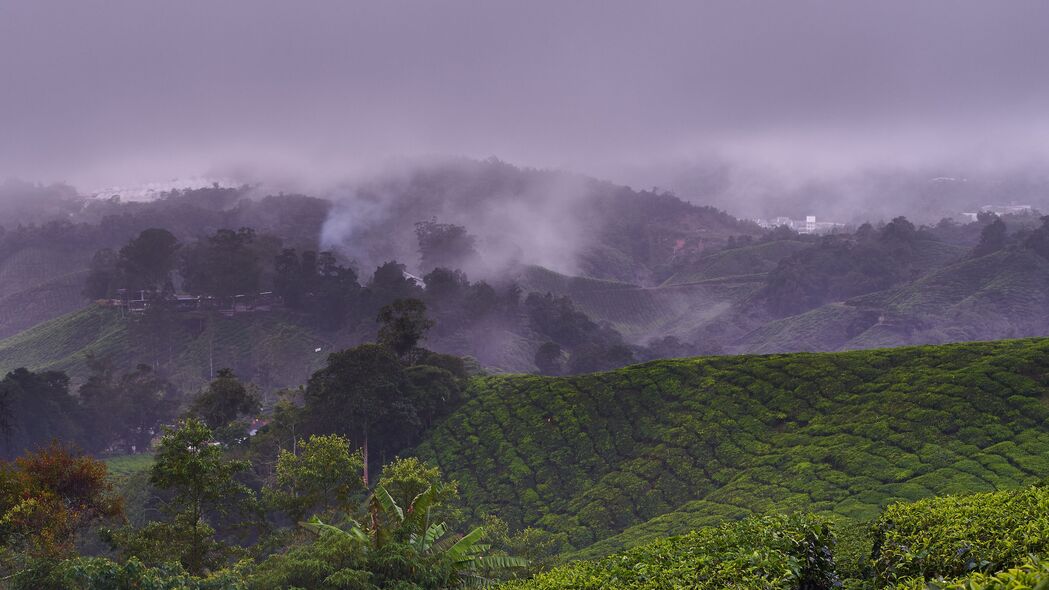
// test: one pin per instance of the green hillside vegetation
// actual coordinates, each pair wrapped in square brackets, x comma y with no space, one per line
[640,313]
[128,465]
[952,536]
[988,541]
[542,280]
[1001,295]
[665,447]
[735,262]
[773,552]
[272,349]
[39,283]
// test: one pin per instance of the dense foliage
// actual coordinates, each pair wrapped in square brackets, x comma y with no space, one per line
[680,444]
[768,553]
[951,536]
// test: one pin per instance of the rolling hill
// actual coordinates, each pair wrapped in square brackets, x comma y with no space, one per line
[622,457]
[38,283]
[1001,295]
[736,262]
[274,350]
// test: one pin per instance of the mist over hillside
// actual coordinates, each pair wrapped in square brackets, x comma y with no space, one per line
[545,295]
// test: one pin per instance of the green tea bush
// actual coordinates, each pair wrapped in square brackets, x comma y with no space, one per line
[952,536]
[774,552]
[1033,575]
[691,442]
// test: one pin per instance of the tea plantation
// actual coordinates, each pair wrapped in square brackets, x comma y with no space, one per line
[612,460]
[980,541]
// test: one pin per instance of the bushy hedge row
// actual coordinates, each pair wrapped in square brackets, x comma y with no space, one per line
[698,441]
[774,552]
[953,536]
[1033,575]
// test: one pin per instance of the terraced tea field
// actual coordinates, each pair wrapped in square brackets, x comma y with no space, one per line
[668,446]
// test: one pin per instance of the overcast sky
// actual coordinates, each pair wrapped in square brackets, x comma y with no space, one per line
[126,90]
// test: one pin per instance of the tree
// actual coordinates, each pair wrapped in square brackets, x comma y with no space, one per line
[324,475]
[445,245]
[408,477]
[40,410]
[316,283]
[103,276]
[47,498]
[201,489]
[146,261]
[222,265]
[404,324]
[548,358]
[389,282]
[401,545]
[898,232]
[1038,240]
[356,390]
[992,238]
[125,413]
[224,401]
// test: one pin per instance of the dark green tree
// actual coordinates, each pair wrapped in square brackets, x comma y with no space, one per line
[224,402]
[445,245]
[1038,240]
[403,325]
[103,278]
[40,410]
[548,358]
[200,489]
[147,260]
[222,265]
[358,389]
[125,413]
[992,238]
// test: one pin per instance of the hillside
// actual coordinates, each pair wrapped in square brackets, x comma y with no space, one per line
[994,540]
[748,260]
[643,313]
[273,350]
[38,283]
[696,441]
[1001,295]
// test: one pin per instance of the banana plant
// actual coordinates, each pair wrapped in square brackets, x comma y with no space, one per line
[412,525]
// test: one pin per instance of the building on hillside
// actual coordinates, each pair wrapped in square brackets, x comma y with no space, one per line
[809,225]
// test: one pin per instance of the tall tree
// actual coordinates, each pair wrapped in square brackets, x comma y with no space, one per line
[147,260]
[322,475]
[992,238]
[201,489]
[103,277]
[356,390]
[223,265]
[445,245]
[41,410]
[225,400]
[125,412]
[403,325]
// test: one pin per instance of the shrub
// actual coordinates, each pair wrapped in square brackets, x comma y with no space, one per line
[952,536]
[763,552]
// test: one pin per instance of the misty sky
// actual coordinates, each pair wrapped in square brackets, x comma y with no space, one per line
[110,91]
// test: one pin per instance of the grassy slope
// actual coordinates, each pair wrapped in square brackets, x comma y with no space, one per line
[749,260]
[273,349]
[38,284]
[1002,295]
[697,441]
[641,313]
